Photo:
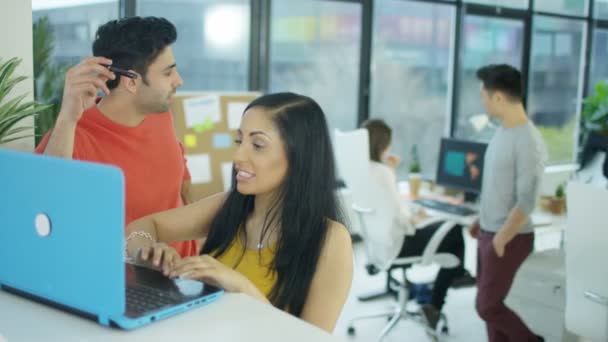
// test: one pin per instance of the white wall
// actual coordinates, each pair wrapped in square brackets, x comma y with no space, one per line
[16,41]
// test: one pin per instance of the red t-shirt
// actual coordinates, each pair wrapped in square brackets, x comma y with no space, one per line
[150,156]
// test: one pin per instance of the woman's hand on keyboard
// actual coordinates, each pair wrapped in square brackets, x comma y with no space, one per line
[209,270]
[160,256]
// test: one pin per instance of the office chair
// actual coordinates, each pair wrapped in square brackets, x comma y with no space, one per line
[586,278]
[375,214]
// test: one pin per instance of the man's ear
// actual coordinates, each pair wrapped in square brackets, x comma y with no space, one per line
[128,83]
[499,97]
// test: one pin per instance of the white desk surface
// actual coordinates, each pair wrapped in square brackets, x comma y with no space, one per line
[539,218]
[233,317]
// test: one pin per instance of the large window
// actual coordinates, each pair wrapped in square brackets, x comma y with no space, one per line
[555,83]
[599,67]
[486,40]
[570,7]
[212,48]
[411,65]
[73,25]
[505,3]
[601,9]
[315,48]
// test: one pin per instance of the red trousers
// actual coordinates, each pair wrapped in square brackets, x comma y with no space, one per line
[494,278]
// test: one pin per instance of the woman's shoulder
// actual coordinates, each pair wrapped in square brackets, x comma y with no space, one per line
[382,171]
[374,165]
[337,234]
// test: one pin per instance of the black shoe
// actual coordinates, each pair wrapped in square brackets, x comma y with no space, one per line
[431,315]
[540,338]
[465,280]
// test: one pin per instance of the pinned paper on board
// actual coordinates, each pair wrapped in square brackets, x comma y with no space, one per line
[201,110]
[207,125]
[222,141]
[200,168]
[190,140]
[235,113]
[227,175]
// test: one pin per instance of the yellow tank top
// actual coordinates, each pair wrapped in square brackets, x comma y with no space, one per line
[253,264]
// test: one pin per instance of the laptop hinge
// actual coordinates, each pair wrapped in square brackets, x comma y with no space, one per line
[103,320]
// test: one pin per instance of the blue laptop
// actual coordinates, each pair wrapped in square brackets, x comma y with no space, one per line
[62,236]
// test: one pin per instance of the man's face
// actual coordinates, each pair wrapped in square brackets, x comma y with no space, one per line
[162,83]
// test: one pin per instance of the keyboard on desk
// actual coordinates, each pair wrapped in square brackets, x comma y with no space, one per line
[446,207]
[141,300]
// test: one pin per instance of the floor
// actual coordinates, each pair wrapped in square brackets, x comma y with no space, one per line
[464,323]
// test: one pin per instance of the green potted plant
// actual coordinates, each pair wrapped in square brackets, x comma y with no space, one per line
[48,76]
[557,203]
[15,109]
[595,111]
[414,177]
[594,124]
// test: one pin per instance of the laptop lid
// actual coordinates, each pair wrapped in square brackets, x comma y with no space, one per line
[62,231]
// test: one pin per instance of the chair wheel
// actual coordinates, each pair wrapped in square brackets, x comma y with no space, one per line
[351,331]
[445,330]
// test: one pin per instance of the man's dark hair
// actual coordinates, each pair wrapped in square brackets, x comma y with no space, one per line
[133,43]
[502,77]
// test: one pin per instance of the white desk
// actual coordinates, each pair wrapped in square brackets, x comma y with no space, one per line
[546,225]
[234,317]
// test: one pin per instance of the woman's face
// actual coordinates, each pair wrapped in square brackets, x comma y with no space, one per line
[260,159]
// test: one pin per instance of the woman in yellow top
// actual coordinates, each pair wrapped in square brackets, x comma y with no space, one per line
[275,235]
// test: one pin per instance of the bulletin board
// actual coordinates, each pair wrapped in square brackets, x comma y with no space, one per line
[206,124]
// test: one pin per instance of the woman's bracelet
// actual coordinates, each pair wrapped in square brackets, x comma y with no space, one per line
[138,233]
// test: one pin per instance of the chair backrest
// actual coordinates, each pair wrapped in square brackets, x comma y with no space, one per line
[374,210]
[586,252]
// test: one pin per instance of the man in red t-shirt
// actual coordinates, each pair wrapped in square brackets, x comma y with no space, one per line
[129,127]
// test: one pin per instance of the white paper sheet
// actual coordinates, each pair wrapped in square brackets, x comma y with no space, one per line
[235,112]
[202,109]
[200,168]
[227,175]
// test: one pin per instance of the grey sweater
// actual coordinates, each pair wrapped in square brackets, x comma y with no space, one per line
[513,167]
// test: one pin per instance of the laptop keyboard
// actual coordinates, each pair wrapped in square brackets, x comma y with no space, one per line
[145,299]
[446,207]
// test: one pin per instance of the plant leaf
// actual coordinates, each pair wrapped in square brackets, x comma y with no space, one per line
[6,139]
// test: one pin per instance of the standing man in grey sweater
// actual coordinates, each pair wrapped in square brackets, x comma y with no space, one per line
[514,164]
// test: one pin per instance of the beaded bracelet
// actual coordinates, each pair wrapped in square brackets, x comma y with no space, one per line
[131,236]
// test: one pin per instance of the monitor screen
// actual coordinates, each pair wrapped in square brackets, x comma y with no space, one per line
[460,164]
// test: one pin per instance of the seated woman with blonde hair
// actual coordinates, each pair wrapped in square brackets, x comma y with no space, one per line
[275,235]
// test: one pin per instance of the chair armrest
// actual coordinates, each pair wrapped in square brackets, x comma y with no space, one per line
[362,210]
[444,260]
[431,247]
[406,261]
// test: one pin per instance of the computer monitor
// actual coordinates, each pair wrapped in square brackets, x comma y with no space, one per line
[460,165]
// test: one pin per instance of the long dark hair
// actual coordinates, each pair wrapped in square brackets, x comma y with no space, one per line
[305,202]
